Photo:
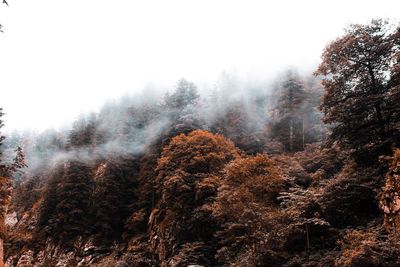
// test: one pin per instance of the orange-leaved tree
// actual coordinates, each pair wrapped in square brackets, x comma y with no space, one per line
[181,225]
[247,209]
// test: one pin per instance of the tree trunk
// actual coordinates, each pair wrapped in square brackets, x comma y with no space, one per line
[377,106]
[291,135]
[308,237]
[302,130]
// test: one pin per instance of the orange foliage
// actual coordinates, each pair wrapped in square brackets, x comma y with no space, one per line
[248,182]
[189,173]
[258,173]
[368,248]
[246,207]
[197,152]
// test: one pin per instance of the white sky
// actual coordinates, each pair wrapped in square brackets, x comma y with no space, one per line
[61,58]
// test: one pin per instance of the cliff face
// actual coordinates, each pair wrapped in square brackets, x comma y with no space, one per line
[390,199]
[23,251]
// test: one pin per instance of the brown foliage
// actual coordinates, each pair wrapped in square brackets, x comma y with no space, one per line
[246,208]
[357,100]
[187,181]
[368,248]
[350,199]
[197,152]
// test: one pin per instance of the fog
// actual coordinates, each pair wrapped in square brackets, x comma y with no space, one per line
[60,59]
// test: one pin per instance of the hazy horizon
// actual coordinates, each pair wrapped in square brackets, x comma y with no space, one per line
[61,59]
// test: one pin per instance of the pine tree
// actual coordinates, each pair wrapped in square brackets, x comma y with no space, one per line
[85,133]
[66,205]
[181,109]
[185,94]
[290,112]
[109,198]
[74,194]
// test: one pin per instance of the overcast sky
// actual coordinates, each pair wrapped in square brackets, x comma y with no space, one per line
[61,58]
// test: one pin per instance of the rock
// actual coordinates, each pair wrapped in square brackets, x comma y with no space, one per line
[11,219]
[26,259]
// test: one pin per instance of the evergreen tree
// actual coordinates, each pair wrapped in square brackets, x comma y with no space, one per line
[74,194]
[290,112]
[185,94]
[66,204]
[109,199]
[181,107]
[85,133]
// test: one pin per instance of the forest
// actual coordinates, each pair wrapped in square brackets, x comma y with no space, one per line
[303,173]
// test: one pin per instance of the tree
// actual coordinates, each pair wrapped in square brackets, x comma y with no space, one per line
[181,109]
[237,123]
[290,112]
[83,133]
[296,203]
[110,194]
[185,94]
[66,203]
[246,207]
[6,183]
[356,70]
[187,180]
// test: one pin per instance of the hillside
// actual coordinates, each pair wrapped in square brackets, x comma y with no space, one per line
[303,174]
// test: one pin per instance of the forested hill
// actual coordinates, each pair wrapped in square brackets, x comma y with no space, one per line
[302,173]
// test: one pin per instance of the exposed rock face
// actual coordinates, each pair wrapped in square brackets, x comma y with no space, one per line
[11,219]
[25,253]
[390,199]
[54,255]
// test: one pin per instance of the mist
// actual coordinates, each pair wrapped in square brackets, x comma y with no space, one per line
[129,126]
[59,60]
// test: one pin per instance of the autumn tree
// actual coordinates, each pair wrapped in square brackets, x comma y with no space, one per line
[188,174]
[356,70]
[247,209]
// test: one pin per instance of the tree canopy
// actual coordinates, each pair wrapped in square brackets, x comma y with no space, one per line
[360,102]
